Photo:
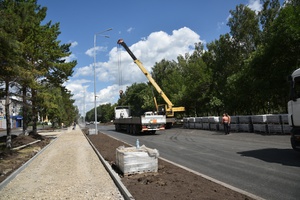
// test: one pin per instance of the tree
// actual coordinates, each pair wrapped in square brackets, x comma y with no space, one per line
[223,59]
[42,53]
[106,112]
[31,56]
[196,80]
[139,97]
[244,29]
[277,58]
[9,51]
[267,16]
[168,75]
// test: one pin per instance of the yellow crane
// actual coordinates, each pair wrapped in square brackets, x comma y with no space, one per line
[168,109]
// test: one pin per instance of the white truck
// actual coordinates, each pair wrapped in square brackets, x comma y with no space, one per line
[294,109]
[150,122]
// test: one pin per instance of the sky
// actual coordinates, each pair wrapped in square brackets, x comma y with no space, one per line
[153,30]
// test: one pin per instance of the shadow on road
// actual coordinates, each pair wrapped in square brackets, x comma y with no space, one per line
[287,157]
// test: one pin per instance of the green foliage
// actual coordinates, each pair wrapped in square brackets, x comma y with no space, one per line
[105,113]
[139,97]
[31,59]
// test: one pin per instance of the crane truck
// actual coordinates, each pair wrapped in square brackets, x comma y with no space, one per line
[150,122]
[294,109]
[167,109]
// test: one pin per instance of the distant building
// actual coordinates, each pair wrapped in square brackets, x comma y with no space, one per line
[15,108]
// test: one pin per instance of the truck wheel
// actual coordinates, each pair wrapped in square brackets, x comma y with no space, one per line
[128,129]
[295,144]
[168,125]
[119,127]
[134,132]
[131,129]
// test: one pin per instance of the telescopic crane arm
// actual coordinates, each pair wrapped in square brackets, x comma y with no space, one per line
[169,107]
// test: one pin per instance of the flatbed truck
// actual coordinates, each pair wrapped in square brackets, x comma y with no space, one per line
[150,122]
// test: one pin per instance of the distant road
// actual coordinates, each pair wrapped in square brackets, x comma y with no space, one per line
[13,132]
[264,165]
[18,131]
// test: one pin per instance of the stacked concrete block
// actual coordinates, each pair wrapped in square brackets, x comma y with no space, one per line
[234,124]
[221,126]
[191,122]
[92,131]
[213,123]
[205,123]
[268,124]
[198,123]
[132,160]
[274,124]
[185,123]
[286,128]
[259,123]
[245,124]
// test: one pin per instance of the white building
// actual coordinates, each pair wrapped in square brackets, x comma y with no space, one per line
[15,108]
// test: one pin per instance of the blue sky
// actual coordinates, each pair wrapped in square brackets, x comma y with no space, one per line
[153,30]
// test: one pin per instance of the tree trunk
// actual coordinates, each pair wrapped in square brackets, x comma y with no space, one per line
[7,115]
[34,112]
[25,110]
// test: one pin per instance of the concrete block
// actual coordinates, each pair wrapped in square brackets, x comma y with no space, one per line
[132,160]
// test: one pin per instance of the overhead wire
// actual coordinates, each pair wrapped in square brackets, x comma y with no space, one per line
[120,71]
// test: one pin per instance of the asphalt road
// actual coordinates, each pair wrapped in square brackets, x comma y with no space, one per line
[262,165]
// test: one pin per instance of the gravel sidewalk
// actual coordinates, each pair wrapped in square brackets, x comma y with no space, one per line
[67,169]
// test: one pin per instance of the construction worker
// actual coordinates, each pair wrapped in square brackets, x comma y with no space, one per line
[226,123]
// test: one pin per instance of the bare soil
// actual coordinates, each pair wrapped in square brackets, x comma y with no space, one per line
[169,183]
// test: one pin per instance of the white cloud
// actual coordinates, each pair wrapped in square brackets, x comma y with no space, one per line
[74,44]
[90,52]
[69,58]
[84,71]
[130,30]
[157,46]
[255,5]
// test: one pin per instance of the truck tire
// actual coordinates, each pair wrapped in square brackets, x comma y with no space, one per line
[128,129]
[131,129]
[295,144]
[295,132]
[168,125]
[134,131]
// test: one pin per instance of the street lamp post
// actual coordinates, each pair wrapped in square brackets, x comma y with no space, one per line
[95,96]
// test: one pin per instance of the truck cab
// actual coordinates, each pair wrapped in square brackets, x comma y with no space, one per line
[294,109]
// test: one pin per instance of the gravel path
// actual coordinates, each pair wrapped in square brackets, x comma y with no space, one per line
[67,169]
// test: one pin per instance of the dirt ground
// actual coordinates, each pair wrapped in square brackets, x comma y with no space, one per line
[169,183]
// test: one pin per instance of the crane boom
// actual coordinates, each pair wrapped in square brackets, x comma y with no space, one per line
[169,105]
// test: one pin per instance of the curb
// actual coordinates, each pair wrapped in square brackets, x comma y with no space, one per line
[126,194]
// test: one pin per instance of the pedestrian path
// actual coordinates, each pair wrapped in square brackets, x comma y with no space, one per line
[67,169]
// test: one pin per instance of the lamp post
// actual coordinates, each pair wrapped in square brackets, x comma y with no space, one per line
[95,96]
